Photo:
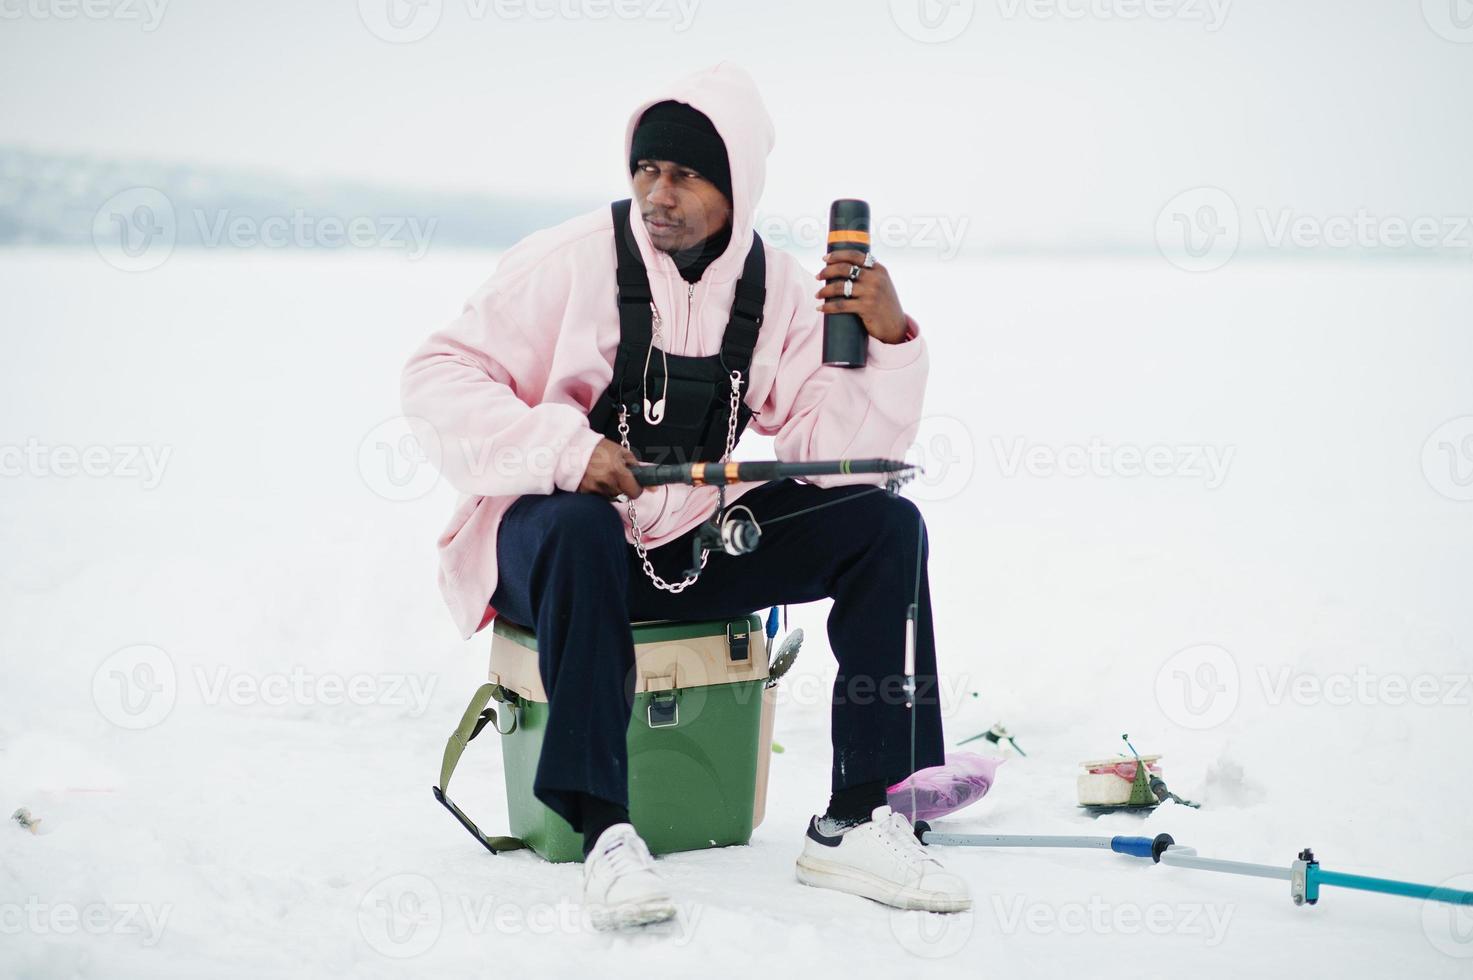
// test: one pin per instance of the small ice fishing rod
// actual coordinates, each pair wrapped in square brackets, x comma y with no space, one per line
[720,474]
[1304,874]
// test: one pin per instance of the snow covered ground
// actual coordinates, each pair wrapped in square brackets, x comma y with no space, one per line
[228,676]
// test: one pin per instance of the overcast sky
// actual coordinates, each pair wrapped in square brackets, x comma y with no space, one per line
[1039,120]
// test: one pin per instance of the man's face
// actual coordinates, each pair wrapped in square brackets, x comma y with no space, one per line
[680,207]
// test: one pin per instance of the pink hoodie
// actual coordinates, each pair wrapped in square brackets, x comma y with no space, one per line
[503,391]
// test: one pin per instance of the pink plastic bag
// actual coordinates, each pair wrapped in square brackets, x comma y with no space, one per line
[964,779]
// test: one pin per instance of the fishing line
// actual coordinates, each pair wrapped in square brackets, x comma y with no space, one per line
[831,503]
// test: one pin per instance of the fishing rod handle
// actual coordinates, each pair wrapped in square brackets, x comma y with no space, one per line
[715,474]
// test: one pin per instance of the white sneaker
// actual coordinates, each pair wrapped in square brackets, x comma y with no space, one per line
[620,885]
[881,860]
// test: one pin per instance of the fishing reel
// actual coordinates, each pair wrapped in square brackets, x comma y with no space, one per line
[736,535]
[733,534]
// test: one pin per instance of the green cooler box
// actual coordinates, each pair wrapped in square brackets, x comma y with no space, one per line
[699,739]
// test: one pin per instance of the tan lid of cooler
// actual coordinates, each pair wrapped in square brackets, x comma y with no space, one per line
[681,661]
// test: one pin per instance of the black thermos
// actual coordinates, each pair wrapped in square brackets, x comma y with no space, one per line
[844,338]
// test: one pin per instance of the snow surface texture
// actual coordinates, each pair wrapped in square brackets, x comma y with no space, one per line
[247,794]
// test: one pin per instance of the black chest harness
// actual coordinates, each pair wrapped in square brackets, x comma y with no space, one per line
[696,390]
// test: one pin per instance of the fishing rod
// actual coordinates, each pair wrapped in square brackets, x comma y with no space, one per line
[721,474]
[1304,874]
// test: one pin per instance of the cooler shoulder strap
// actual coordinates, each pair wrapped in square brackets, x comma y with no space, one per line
[477,716]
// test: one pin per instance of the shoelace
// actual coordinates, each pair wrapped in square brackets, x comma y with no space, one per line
[624,855]
[899,833]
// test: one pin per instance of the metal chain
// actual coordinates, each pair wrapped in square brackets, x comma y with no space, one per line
[676,588]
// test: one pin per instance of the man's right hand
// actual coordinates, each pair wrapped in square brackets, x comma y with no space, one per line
[608,472]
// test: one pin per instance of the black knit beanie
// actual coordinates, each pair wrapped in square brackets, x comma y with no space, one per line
[677,132]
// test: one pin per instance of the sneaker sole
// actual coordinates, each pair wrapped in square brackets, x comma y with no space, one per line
[631,914]
[822,874]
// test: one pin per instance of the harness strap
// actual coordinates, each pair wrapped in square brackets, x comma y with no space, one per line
[746,311]
[477,716]
[636,323]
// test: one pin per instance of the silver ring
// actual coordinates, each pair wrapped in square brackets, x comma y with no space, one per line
[854,272]
[848,288]
[869,260]
[623,498]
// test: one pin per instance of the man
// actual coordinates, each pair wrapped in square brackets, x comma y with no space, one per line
[562,374]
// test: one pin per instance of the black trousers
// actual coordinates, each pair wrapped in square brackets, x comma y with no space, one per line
[565,570]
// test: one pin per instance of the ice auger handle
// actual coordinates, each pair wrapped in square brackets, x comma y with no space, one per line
[1142,847]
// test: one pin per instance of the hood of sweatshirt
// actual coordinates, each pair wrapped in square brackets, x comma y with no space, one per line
[729,98]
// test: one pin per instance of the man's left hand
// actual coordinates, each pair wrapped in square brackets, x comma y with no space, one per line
[873,296]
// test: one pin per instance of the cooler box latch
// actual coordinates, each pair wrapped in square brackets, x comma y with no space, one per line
[737,637]
[663,710]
